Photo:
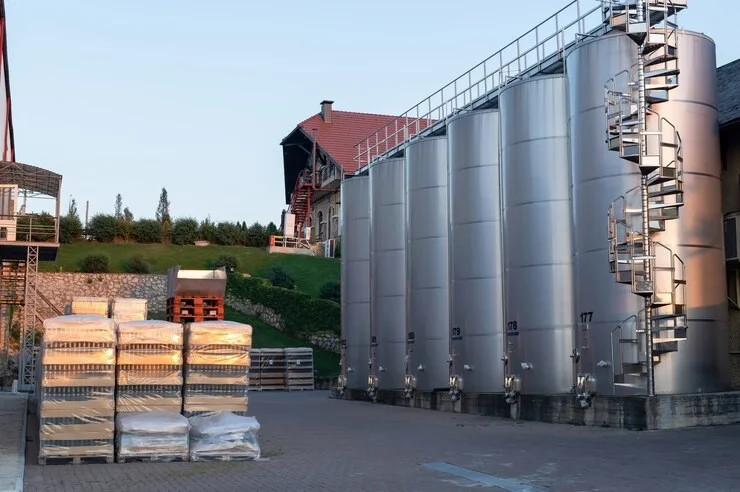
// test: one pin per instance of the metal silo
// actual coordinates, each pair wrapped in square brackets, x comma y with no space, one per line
[388,271]
[355,269]
[701,362]
[600,176]
[537,235]
[476,290]
[427,263]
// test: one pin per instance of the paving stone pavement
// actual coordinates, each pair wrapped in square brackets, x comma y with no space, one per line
[12,440]
[314,443]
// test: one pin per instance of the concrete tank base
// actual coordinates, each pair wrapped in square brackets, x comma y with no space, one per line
[623,412]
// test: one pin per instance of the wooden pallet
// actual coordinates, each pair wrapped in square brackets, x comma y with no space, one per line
[222,457]
[74,460]
[157,458]
[176,318]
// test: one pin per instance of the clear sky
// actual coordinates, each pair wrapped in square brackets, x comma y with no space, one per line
[130,96]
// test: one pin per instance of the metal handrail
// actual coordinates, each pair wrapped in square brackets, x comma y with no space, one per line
[466,89]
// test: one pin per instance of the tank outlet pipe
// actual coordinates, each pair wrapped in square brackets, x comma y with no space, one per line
[372,387]
[456,387]
[512,388]
[409,386]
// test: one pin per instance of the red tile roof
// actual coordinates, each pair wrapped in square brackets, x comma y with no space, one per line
[345,131]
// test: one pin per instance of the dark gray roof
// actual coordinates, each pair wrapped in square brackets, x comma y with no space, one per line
[728,86]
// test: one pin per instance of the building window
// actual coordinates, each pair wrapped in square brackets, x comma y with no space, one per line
[331,228]
[321,227]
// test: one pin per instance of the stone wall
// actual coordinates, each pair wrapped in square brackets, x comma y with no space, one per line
[60,288]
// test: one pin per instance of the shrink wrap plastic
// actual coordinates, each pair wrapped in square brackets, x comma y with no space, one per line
[155,436]
[76,387]
[224,436]
[149,375]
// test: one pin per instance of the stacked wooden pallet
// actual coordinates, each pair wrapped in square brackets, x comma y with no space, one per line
[299,368]
[90,305]
[195,309]
[76,390]
[216,367]
[149,367]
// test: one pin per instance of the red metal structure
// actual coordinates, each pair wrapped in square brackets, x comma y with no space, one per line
[8,150]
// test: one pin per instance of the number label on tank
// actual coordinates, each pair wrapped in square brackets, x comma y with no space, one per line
[587,316]
[374,341]
[456,333]
[512,329]
[411,337]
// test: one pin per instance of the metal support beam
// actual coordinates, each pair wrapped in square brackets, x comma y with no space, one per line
[27,363]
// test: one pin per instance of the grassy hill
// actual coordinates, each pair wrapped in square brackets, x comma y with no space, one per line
[310,273]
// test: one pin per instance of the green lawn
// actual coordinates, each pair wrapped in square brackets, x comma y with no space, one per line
[310,273]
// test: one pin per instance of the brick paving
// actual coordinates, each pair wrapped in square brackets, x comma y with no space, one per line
[314,443]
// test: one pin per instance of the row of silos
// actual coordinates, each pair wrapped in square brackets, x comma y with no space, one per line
[489,244]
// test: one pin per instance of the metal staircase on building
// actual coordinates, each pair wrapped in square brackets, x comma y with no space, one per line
[640,135]
[300,201]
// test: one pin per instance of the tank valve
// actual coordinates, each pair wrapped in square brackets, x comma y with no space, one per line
[512,388]
[409,386]
[341,385]
[585,390]
[372,388]
[456,387]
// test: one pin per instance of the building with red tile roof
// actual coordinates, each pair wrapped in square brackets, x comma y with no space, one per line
[331,136]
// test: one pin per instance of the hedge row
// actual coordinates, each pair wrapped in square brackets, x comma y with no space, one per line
[300,312]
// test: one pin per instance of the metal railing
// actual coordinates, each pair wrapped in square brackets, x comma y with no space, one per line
[548,39]
[35,228]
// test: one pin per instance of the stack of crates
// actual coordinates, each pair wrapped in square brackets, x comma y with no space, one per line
[195,309]
[90,305]
[254,368]
[216,367]
[76,389]
[123,309]
[149,367]
[272,369]
[299,368]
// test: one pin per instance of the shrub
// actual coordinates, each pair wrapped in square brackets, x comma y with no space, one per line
[184,231]
[136,264]
[229,234]
[280,278]
[95,264]
[147,231]
[228,261]
[70,229]
[299,311]
[102,228]
[331,291]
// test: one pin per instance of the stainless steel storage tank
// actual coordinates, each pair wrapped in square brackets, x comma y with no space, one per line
[538,245]
[476,290]
[355,270]
[388,270]
[600,176]
[702,361]
[427,263]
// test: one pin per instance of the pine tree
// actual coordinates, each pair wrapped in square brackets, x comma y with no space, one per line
[119,206]
[72,211]
[163,209]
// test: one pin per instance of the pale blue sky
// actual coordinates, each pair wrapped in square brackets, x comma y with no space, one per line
[129,96]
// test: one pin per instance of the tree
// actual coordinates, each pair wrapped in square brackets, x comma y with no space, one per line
[102,228]
[119,207]
[184,231]
[72,211]
[127,215]
[147,231]
[163,209]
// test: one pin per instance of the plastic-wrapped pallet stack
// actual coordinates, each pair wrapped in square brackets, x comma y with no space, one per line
[216,367]
[76,391]
[123,309]
[224,437]
[90,305]
[152,436]
[149,367]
